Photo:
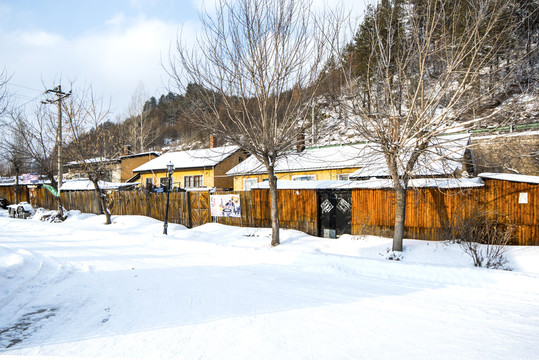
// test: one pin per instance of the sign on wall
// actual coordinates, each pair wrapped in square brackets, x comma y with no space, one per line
[225,205]
[30,179]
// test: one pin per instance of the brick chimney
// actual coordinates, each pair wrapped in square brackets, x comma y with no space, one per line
[213,141]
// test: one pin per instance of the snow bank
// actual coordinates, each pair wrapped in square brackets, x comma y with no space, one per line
[87,290]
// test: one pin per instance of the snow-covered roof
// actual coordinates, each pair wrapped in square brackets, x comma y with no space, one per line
[189,158]
[511,177]
[323,158]
[85,184]
[442,159]
[442,183]
[90,161]
[148,153]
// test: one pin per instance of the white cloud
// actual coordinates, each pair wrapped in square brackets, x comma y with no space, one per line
[40,39]
[114,59]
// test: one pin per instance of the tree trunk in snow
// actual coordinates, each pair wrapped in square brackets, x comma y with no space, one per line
[101,196]
[274,207]
[400,217]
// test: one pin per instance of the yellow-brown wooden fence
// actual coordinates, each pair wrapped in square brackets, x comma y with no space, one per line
[373,210]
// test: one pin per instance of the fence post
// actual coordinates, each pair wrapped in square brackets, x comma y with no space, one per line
[189,218]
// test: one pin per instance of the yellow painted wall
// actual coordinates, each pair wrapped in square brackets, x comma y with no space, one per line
[212,176]
[177,176]
[332,174]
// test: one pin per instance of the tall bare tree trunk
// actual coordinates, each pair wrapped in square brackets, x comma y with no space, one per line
[400,217]
[60,206]
[274,207]
[101,197]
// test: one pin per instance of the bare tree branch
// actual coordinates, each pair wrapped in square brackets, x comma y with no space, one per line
[425,65]
[253,74]
[89,144]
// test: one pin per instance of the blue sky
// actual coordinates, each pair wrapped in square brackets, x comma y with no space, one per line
[114,45]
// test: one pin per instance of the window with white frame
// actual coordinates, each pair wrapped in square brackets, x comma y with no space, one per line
[248,183]
[303,177]
[194,181]
[343,177]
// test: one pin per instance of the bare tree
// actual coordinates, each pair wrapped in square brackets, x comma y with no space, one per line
[142,131]
[88,143]
[4,95]
[422,68]
[252,75]
[36,137]
[12,147]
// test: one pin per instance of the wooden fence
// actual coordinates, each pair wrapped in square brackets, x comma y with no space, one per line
[8,193]
[372,212]
[428,210]
[516,203]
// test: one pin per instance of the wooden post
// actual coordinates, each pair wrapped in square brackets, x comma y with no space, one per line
[189,218]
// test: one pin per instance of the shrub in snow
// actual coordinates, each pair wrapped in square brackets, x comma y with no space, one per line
[393,255]
[482,236]
[52,216]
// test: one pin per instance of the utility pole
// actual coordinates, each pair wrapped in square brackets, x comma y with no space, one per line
[60,96]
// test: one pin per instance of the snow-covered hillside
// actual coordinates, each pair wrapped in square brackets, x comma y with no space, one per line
[336,127]
[84,289]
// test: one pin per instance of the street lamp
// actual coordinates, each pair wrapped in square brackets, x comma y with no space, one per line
[170,171]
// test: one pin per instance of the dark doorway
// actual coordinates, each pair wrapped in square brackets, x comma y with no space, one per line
[334,212]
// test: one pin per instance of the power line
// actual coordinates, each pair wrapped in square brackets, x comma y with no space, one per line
[24,87]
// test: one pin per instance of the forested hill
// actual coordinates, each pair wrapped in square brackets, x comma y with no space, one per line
[508,87]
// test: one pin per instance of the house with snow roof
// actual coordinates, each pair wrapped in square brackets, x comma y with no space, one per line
[450,157]
[118,170]
[324,163]
[193,169]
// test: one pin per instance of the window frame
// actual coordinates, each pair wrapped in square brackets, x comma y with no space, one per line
[305,177]
[249,180]
[193,181]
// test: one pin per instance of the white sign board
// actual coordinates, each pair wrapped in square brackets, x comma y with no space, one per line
[225,205]
[523,198]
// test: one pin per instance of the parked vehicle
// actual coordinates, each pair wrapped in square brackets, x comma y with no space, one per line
[21,210]
[3,203]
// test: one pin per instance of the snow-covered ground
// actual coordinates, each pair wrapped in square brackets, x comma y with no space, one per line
[82,289]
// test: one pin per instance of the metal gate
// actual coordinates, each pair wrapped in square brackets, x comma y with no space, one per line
[334,212]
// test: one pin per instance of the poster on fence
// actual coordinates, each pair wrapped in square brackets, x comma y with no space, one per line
[225,205]
[30,179]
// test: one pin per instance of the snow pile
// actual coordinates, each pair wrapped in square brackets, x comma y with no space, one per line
[87,290]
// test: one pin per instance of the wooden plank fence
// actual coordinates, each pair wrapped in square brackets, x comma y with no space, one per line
[8,193]
[373,210]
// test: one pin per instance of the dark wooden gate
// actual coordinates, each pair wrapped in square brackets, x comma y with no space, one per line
[335,212]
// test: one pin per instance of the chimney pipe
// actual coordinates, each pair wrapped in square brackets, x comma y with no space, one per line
[213,141]
[300,144]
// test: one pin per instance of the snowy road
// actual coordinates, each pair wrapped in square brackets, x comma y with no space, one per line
[83,289]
